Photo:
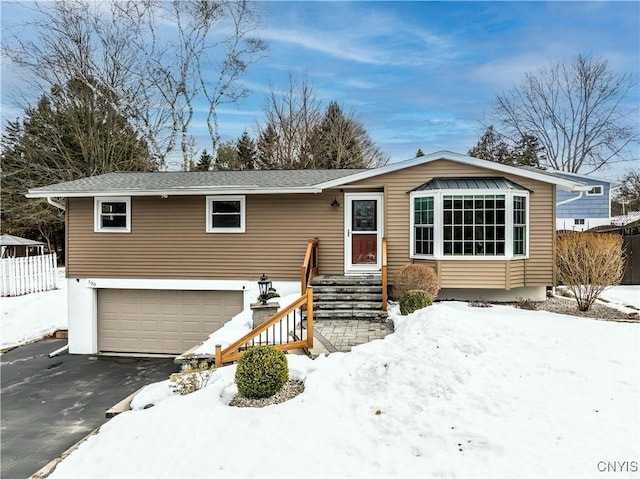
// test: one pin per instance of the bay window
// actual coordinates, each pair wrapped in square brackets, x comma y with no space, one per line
[464,223]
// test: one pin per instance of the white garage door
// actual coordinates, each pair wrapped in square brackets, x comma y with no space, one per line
[161,321]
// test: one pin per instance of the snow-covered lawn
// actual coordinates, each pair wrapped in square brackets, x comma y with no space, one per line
[29,317]
[624,295]
[456,391]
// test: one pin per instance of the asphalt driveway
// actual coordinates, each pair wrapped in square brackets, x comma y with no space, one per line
[48,404]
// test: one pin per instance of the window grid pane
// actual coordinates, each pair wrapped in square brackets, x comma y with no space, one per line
[474,225]
[519,225]
[113,215]
[423,225]
[226,214]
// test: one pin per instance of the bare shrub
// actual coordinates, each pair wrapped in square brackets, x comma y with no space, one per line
[587,263]
[415,276]
[193,377]
[526,303]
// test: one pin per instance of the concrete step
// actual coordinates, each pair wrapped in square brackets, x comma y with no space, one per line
[346,297]
[326,314]
[334,280]
[353,305]
[344,289]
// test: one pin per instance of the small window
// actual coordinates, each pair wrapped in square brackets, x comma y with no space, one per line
[578,221]
[112,215]
[225,214]
[595,191]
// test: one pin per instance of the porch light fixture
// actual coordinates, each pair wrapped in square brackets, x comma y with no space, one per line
[264,286]
[335,203]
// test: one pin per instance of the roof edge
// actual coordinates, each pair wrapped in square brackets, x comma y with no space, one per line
[40,193]
[457,157]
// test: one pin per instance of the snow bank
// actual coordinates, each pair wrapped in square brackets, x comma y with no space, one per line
[454,392]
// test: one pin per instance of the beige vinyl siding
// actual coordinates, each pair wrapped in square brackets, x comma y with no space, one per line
[535,271]
[168,239]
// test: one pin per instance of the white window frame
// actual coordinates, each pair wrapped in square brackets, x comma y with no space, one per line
[438,197]
[209,218]
[97,214]
[600,193]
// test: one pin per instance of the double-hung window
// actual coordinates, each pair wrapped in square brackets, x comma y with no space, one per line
[225,214]
[469,223]
[112,215]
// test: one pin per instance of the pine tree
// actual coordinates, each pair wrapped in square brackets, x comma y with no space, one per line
[419,153]
[267,148]
[204,163]
[246,152]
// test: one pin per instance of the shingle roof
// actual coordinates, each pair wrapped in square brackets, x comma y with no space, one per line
[470,183]
[10,240]
[176,181]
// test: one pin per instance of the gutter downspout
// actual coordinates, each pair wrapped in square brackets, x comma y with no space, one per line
[56,204]
[564,202]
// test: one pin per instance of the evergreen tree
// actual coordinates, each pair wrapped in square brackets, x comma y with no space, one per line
[340,141]
[246,152]
[491,148]
[419,153]
[267,148]
[204,163]
[227,157]
[73,132]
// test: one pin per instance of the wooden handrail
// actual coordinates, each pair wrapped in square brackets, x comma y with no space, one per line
[384,274]
[309,264]
[231,352]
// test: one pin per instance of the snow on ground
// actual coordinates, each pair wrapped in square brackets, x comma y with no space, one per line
[27,318]
[624,295]
[456,391]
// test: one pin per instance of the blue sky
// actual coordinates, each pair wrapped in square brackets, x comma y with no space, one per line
[420,74]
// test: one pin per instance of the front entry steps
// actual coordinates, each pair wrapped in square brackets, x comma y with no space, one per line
[347,297]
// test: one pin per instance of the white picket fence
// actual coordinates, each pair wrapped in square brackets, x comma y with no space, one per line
[27,275]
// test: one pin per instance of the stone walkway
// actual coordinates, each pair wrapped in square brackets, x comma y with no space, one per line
[342,334]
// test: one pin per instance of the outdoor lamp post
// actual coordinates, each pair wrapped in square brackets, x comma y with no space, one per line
[264,285]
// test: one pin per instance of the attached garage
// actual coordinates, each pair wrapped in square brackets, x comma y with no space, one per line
[161,321]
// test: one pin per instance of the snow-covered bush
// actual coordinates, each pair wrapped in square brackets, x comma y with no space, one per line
[587,263]
[261,372]
[414,300]
[192,377]
[415,276]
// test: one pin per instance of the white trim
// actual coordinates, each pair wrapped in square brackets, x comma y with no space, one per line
[218,190]
[209,218]
[97,214]
[596,194]
[349,268]
[464,159]
[438,196]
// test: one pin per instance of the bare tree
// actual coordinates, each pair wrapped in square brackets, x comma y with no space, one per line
[291,113]
[158,58]
[578,112]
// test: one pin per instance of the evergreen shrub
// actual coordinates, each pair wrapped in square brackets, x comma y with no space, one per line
[414,300]
[261,372]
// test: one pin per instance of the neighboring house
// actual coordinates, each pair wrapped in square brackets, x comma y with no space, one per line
[16,247]
[583,210]
[157,261]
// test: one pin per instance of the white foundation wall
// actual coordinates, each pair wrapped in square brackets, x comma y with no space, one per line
[569,223]
[534,293]
[82,297]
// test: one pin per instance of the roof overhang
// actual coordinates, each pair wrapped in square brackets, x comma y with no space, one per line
[43,193]
[562,183]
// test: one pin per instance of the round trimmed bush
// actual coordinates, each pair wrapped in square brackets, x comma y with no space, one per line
[414,300]
[261,372]
[415,276]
